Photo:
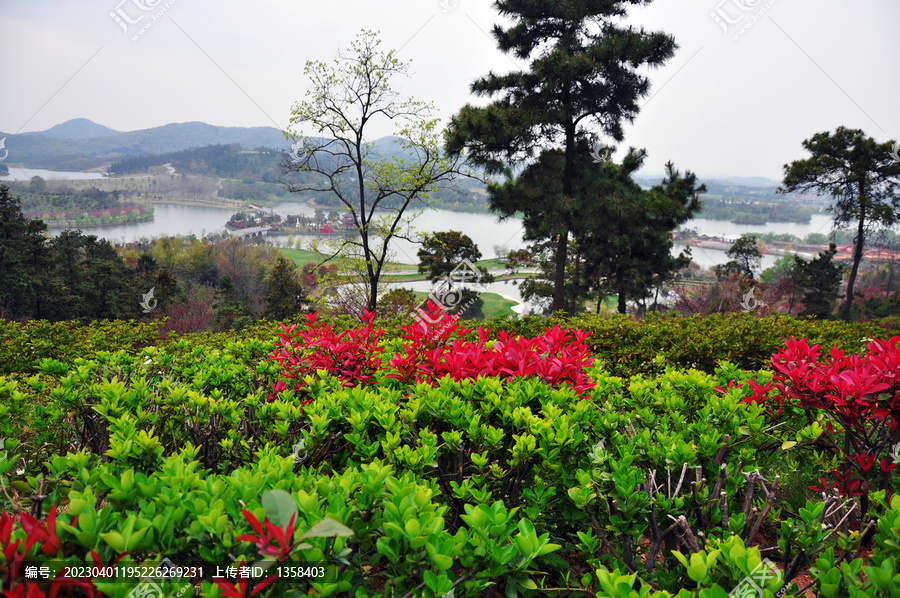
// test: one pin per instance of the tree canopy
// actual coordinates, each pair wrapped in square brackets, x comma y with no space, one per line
[862,177]
[585,69]
[333,153]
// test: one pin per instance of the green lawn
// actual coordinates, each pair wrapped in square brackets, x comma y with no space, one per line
[302,257]
[494,304]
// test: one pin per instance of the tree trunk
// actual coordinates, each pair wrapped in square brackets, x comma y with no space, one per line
[559,279]
[364,230]
[620,288]
[857,253]
[562,243]
[890,282]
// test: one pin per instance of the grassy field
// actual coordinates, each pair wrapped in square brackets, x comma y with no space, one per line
[301,257]
[494,304]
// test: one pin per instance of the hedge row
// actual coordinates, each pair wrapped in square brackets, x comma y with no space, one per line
[625,346]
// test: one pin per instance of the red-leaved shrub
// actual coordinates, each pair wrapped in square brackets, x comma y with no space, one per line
[860,395]
[351,356]
[436,348]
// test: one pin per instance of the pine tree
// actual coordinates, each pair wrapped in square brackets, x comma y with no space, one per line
[285,297]
[442,252]
[745,258]
[821,278]
[584,69]
[621,234]
[861,175]
[24,262]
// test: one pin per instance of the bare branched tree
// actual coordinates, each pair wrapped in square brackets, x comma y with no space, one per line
[332,154]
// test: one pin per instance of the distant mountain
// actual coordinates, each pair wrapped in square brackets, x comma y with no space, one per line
[78,128]
[78,152]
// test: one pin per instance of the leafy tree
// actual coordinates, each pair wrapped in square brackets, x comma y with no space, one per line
[816,239]
[285,297]
[585,68]
[320,218]
[22,255]
[783,269]
[344,101]
[780,281]
[104,288]
[228,305]
[621,234]
[37,185]
[92,281]
[470,306]
[397,302]
[246,266]
[166,290]
[860,175]
[821,279]
[625,234]
[441,252]
[745,258]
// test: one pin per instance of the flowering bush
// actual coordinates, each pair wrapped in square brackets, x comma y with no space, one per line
[859,396]
[434,349]
[437,349]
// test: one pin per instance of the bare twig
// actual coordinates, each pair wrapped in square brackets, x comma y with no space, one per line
[762,515]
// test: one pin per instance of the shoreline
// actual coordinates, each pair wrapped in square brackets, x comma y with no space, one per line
[197,203]
[79,226]
[341,207]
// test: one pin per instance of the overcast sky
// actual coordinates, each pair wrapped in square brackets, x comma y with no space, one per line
[721,106]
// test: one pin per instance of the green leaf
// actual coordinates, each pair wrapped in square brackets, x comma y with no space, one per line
[279,507]
[327,528]
[549,547]
[788,444]
[696,570]
[115,540]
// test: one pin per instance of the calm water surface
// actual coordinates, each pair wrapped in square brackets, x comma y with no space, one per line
[488,233]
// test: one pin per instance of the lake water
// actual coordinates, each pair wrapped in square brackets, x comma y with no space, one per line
[486,231]
[25,174]
[168,219]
